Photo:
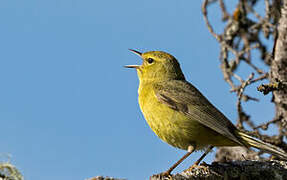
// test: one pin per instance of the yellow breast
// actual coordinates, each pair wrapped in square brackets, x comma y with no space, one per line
[164,121]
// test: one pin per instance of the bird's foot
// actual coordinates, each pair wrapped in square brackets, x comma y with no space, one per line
[162,176]
[196,166]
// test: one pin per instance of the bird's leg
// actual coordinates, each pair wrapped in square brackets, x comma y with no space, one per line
[189,151]
[204,154]
[201,157]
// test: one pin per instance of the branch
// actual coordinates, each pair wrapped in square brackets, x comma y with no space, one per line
[279,67]
[235,170]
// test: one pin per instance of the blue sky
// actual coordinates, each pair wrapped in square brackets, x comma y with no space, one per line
[68,108]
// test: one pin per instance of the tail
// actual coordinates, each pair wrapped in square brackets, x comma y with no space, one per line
[253,142]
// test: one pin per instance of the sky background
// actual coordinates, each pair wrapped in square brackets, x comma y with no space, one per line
[68,108]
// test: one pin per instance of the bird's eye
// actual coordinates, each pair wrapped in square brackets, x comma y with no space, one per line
[150,60]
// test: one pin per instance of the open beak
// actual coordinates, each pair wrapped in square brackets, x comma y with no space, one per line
[134,66]
[136,52]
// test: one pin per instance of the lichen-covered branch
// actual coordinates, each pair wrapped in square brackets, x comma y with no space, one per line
[274,170]
[9,172]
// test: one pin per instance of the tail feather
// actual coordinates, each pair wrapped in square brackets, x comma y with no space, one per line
[253,142]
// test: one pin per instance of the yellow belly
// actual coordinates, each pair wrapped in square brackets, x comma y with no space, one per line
[176,128]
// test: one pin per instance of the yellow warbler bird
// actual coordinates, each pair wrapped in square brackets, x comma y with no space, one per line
[180,115]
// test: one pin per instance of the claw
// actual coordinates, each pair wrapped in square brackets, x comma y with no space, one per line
[196,166]
[162,176]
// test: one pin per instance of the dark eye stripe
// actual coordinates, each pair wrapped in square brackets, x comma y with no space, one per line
[150,60]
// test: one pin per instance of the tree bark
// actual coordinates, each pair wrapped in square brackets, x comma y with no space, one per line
[244,170]
[279,68]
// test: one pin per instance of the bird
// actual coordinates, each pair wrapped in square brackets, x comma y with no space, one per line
[180,115]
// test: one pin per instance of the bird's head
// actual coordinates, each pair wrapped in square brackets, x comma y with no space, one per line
[157,66]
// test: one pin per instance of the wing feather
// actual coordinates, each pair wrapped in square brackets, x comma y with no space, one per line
[184,97]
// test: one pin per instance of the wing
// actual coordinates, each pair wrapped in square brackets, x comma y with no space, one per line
[184,97]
